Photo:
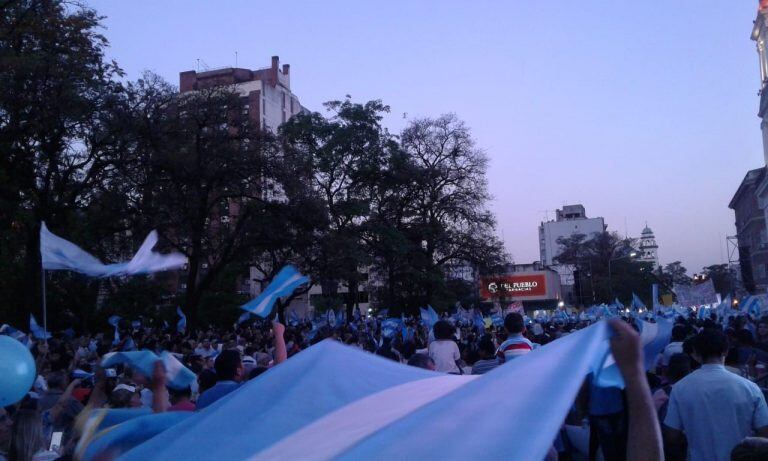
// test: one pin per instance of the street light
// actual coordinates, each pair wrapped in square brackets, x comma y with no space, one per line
[631,254]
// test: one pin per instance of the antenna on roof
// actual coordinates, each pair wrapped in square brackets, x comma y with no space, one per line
[235,58]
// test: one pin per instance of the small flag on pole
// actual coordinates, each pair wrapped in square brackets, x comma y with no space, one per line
[36,330]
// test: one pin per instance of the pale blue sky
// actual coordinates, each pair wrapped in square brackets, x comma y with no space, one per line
[641,111]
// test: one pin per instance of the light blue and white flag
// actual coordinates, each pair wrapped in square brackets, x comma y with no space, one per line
[637,303]
[181,325]
[330,317]
[655,296]
[654,337]
[478,322]
[361,406]
[244,317]
[114,320]
[36,330]
[60,254]
[429,316]
[178,376]
[284,283]
[390,327]
[751,305]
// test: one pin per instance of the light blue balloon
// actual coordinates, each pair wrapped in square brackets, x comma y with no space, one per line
[17,371]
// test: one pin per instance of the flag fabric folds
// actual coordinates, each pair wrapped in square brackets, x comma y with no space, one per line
[637,303]
[36,330]
[284,283]
[181,325]
[178,376]
[331,401]
[60,254]
[429,316]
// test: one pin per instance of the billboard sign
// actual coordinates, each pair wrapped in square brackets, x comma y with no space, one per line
[513,286]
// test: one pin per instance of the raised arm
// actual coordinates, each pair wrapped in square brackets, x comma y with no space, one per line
[645,443]
[281,353]
[159,390]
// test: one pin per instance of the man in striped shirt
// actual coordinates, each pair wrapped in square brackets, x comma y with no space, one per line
[516,344]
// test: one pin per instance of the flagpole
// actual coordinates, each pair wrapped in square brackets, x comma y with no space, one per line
[45,311]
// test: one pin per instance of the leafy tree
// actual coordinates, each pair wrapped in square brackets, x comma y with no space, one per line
[674,274]
[57,87]
[721,276]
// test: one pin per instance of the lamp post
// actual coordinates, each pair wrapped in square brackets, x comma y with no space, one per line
[610,281]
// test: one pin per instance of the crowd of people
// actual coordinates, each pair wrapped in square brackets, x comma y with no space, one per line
[704,391]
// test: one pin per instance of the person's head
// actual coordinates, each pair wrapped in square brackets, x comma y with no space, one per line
[422,361]
[750,449]
[124,396]
[486,347]
[710,346]
[678,368]
[229,366]
[179,395]
[762,329]
[679,332]
[443,330]
[26,435]
[57,380]
[206,380]
[514,323]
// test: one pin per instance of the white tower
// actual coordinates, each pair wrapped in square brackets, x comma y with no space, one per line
[649,250]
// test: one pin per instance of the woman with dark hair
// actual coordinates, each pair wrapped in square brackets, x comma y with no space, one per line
[27,442]
[443,350]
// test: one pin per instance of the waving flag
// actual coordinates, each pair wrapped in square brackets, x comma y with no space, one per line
[429,316]
[330,317]
[114,320]
[181,325]
[244,317]
[637,303]
[60,254]
[178,376]
[654,337]
[361,406]
[390,327]
[37,331]
[478,321]
[284,283]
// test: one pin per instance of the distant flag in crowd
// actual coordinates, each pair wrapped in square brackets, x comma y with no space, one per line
[637,303]
[617,304]
[751,305]
[60,254]
[244,317]
[178,376]
[429,316]
[181,325]
[37,331]
[478,321]
[654,337]
[330,317]
[655,296]
[496,320]
[293,317]
[390,326]
[284,283]
[114,320]
[702,313]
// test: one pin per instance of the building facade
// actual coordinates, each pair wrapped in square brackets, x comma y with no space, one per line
[267,91]
[760,36]
[569,221]
[751,232]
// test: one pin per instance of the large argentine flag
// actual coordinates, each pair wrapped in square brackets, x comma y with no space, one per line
[287,280]
[336,402]
[60,254]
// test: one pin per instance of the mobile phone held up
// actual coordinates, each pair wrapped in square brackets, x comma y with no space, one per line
[56,441]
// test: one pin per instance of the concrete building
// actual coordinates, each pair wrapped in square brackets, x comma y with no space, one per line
[267,91]
[569,221]
[751,232]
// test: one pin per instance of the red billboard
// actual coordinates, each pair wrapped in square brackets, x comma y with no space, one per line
[513,286]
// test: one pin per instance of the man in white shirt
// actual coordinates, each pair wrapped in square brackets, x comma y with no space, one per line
[675,346]
[713,408]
